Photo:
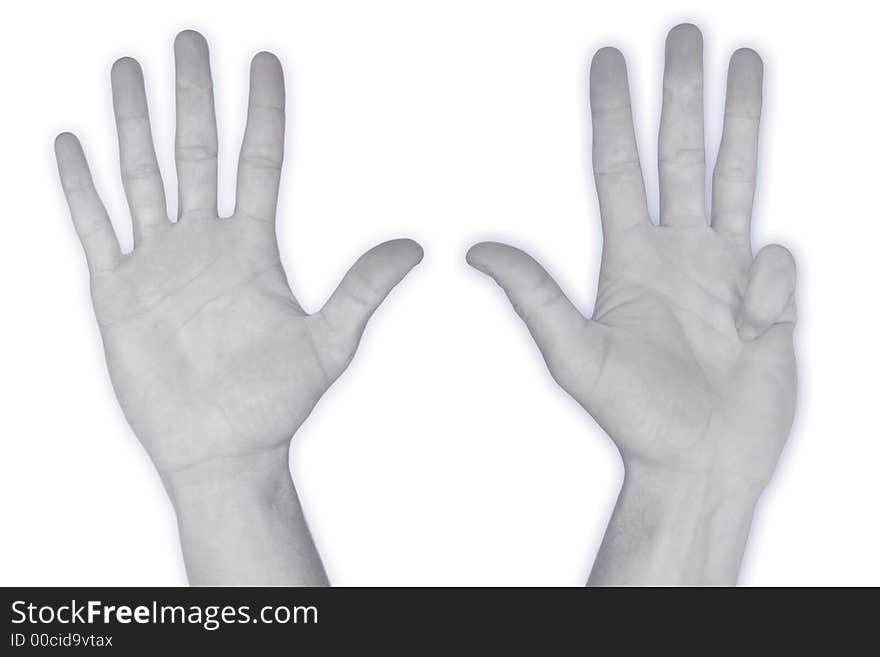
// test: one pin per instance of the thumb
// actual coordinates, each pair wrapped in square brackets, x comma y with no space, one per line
[550,317]
[368,282]
[769,297]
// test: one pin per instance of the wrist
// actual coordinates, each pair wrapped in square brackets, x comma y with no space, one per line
[254,478]
[677,527]
[683,494]
[241,522]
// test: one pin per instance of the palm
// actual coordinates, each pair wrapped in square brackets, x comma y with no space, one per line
[677,373]
[687,360]
[209,352]
[202,333]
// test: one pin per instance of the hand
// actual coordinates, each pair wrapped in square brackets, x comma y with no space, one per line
[687,361]
[214,362]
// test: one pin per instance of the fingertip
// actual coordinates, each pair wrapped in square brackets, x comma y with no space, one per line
[473,253]
[407,249]
[265,60]
[267,80]
[608,55]
[481,252]
[778,251]
[190,40]
[125,66]
[417,251]
[748,60]
[608,81]
[777,257]
[684,50]
[770,292]
[684,61]
[65,142]
[745,80]
[684,32]
[398,254]
[747,55]
[608,59]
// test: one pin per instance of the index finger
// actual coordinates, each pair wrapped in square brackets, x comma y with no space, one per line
[733,183]
[619,183]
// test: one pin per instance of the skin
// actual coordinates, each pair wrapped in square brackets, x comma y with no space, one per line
[687,361]
[213,360]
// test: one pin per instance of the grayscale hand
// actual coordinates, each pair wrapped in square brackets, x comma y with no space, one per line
[214,362]
[687,361]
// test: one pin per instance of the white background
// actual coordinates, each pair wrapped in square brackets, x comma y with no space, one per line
[445,454]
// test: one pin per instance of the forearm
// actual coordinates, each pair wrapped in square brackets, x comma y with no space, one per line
[241,523]
[676,528]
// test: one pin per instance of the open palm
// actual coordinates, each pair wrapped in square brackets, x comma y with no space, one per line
[687,361]
[209,352]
